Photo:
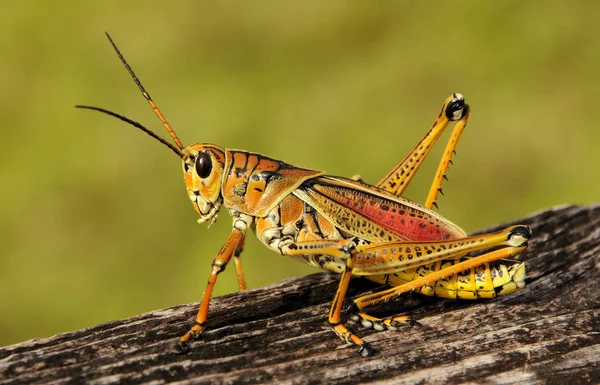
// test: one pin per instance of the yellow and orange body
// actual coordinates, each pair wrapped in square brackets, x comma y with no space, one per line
[347,226]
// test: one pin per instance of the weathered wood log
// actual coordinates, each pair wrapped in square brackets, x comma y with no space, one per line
[548,332]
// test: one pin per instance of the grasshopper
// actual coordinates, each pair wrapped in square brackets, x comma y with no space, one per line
[345,225]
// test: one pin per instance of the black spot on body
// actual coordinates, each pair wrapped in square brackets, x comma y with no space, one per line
[239,172]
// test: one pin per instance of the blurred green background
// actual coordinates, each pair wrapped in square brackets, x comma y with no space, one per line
[95,224]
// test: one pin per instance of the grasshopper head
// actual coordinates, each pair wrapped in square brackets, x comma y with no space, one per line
[203,171]
[202,163]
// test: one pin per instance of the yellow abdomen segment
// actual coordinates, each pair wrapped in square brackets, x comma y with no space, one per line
[485,281]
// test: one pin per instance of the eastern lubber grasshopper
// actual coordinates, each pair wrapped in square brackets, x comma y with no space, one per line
[345,225]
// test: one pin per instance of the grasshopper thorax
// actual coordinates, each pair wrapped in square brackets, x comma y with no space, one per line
[203,167]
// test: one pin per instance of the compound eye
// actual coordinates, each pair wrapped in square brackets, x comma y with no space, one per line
[203,164]
[456,108]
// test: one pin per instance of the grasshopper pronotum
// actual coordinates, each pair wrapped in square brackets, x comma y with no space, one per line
[345,225]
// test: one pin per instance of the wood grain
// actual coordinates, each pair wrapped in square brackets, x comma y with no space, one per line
[547,333]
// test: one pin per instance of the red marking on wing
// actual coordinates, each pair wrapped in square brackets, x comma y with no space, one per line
[403,220]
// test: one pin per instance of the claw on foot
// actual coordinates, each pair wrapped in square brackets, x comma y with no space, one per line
[366,350]
[181,347]
[411,322]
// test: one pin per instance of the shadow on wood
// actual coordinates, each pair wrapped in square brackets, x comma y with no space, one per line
[546,333]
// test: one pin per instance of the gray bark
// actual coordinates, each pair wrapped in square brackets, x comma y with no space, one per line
[546,333]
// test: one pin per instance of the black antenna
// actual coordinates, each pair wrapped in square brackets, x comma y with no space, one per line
[135,124]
